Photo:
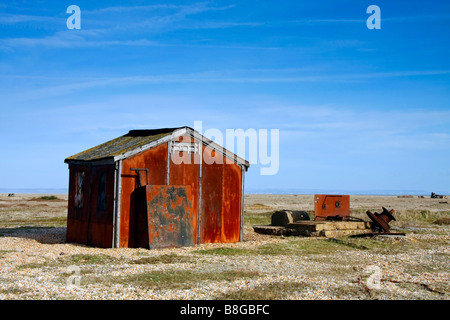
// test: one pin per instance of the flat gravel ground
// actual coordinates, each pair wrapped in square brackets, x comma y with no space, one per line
[36,263]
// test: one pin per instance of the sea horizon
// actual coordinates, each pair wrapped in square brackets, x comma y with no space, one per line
[281,191]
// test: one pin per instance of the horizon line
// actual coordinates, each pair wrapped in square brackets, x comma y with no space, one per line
[273,191]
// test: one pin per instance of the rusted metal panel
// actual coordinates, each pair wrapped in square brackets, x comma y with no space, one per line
[231,203]
[91,205]
[155,160]
[100,222]
[171,220]
[331,207]
[220,217]
[211,198]
[380,224]
[108,218]
[187,173]
[77,204]
[380,221]
[164,217]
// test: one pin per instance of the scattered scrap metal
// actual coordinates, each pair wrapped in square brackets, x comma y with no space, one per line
[380,221]
[380,224]
[331,207]
[284,217]
[281,221]
[331,219]
[436,196]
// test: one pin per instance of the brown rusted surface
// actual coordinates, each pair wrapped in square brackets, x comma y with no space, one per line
[331,207]
[213,183]
[220,192]
[220,199]
[309,228]
[187,173]
[164,217]
[211,199]
[91,205]
[231,203]
[171,221]
[77,204]
[380,221]
[155,160]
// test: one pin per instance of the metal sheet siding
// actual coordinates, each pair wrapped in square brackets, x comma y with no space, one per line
[220,200]
[77,210]
[211,197]
[155,160]
[100,224]
[95,209]
[231,204]
[187,173]
[328,206]
[170,217]
[90,221]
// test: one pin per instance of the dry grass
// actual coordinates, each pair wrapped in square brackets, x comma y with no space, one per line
[442,221]
[271,291]
[161,280]
[33,211]
[34,255]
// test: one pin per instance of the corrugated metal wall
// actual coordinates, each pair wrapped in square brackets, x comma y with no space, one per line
[220,200]
[217,188]
[155,160]
[170,216]
[187,173]
[91,205]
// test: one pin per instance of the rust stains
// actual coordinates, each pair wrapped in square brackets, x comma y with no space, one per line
[331,207]
[132,191]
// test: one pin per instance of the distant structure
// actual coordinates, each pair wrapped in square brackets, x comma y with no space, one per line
[133,192]
[436,196]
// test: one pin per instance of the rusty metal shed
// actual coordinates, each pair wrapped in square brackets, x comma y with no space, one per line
[129,192]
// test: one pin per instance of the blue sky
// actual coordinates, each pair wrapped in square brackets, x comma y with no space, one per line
[357,109]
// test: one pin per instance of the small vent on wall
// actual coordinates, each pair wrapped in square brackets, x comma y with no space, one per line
[185,146]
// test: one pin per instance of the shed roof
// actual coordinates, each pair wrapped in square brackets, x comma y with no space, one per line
[139,140]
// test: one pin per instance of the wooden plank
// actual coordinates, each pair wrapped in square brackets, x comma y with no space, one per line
[275,230]
[316,228]
[329,226]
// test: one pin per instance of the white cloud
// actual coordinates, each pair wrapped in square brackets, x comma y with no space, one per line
[9,18]
[50,87]
[71,39]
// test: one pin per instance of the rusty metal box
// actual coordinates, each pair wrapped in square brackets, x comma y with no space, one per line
[331,207]
[166,219]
